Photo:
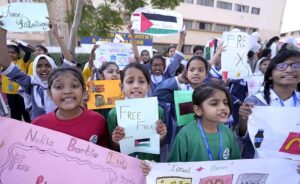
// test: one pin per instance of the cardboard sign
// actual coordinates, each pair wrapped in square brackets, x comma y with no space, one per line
[234,58]
[184,107]
[275,132]
[25,17]
[156,22]
[119,53]
[33,154]
[138,117]
[103,94]
[258,171]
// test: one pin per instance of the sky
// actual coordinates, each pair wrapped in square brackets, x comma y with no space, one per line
[291,16]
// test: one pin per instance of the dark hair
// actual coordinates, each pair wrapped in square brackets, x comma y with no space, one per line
[138,66]
[197,58]
[16,48]
[145,51]
[169,48]
[57,71]
[180,69]
[207,90]
[250,54]
[198,47]
[272,40]
[105,65]
[282,56]
[43,48]
[266,52]
[158,57]
[264,60]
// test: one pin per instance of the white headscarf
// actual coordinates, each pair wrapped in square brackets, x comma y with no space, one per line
[257,70]
[37,83]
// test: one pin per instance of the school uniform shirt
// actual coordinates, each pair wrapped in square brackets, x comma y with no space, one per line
[248,150]
[8,86]
[189,145]
[112,123]
[89,126]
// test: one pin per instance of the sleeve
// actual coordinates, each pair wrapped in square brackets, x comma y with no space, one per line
[104,136]
[174,65]
[15,74]
[165,90]
[179,150]
[86,73]
[112,121]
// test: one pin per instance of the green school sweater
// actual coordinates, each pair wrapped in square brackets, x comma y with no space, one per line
[112,123]
[189,145]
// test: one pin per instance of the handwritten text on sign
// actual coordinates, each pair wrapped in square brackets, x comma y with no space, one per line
[25,17]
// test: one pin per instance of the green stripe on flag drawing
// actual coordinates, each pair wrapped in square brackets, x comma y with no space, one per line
[160,31]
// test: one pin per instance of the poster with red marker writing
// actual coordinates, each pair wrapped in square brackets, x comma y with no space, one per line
[32,154]
[275,132]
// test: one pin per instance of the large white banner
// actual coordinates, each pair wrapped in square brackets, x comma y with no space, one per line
[275,132]
[25,17]
[251,171]
[234,58]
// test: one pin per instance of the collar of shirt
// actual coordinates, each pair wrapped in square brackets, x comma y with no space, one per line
[275,101]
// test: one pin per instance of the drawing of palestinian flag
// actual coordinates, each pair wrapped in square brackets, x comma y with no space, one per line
[142,142]
[156,22]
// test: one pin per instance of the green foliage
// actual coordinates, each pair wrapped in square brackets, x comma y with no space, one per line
[108,17]
[80,58]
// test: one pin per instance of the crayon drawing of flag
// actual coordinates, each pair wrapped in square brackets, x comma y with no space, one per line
[156,22]
[142,142]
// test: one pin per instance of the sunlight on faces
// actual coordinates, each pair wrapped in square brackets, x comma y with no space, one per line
[112,72]
[196,72]
[43,69]
[288,77]
[214,109]
[135,84]
[157,67]
[66,92]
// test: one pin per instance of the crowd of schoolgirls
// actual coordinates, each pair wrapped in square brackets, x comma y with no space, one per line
[54,97]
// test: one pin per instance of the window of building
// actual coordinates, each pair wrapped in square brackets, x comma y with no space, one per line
[19,1]
[189,1]
[252,30]
[206,2]
[221,28]
[295,32]
[161,48]
[243,29]
[283,34]
[188,24]
[204,26]
[224,5]
[241,8]
[255,10]
[187,48]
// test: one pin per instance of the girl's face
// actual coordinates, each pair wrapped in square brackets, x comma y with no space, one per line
[171,52]
[112,72]
[214,109]
[13,54]
[157,67]
[66,92]
[43,69]
[145,57]
[135,84]
[287,77]
[38,51]
[263,67]
[196,72]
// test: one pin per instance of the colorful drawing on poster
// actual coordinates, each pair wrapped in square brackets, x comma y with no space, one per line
[173,180]
[183,107]
[156,22]
[225,179]
[103,94]
[142,142]
[291,144]
[257,178]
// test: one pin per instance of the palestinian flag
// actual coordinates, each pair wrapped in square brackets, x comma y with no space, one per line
[156,22]
[210,48]
[142,142]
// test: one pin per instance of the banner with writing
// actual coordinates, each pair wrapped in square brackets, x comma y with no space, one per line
[138,117]
[234,58]
[184,106]
[275,132]
[25,17]
[103,94]
[258,171]
[156,21]
[33,154]
[119,53]
[254,83]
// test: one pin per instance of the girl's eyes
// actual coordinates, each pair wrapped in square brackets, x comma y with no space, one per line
[75,86]
[57,87]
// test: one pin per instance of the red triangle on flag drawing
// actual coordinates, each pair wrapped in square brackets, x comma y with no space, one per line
[145,23]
